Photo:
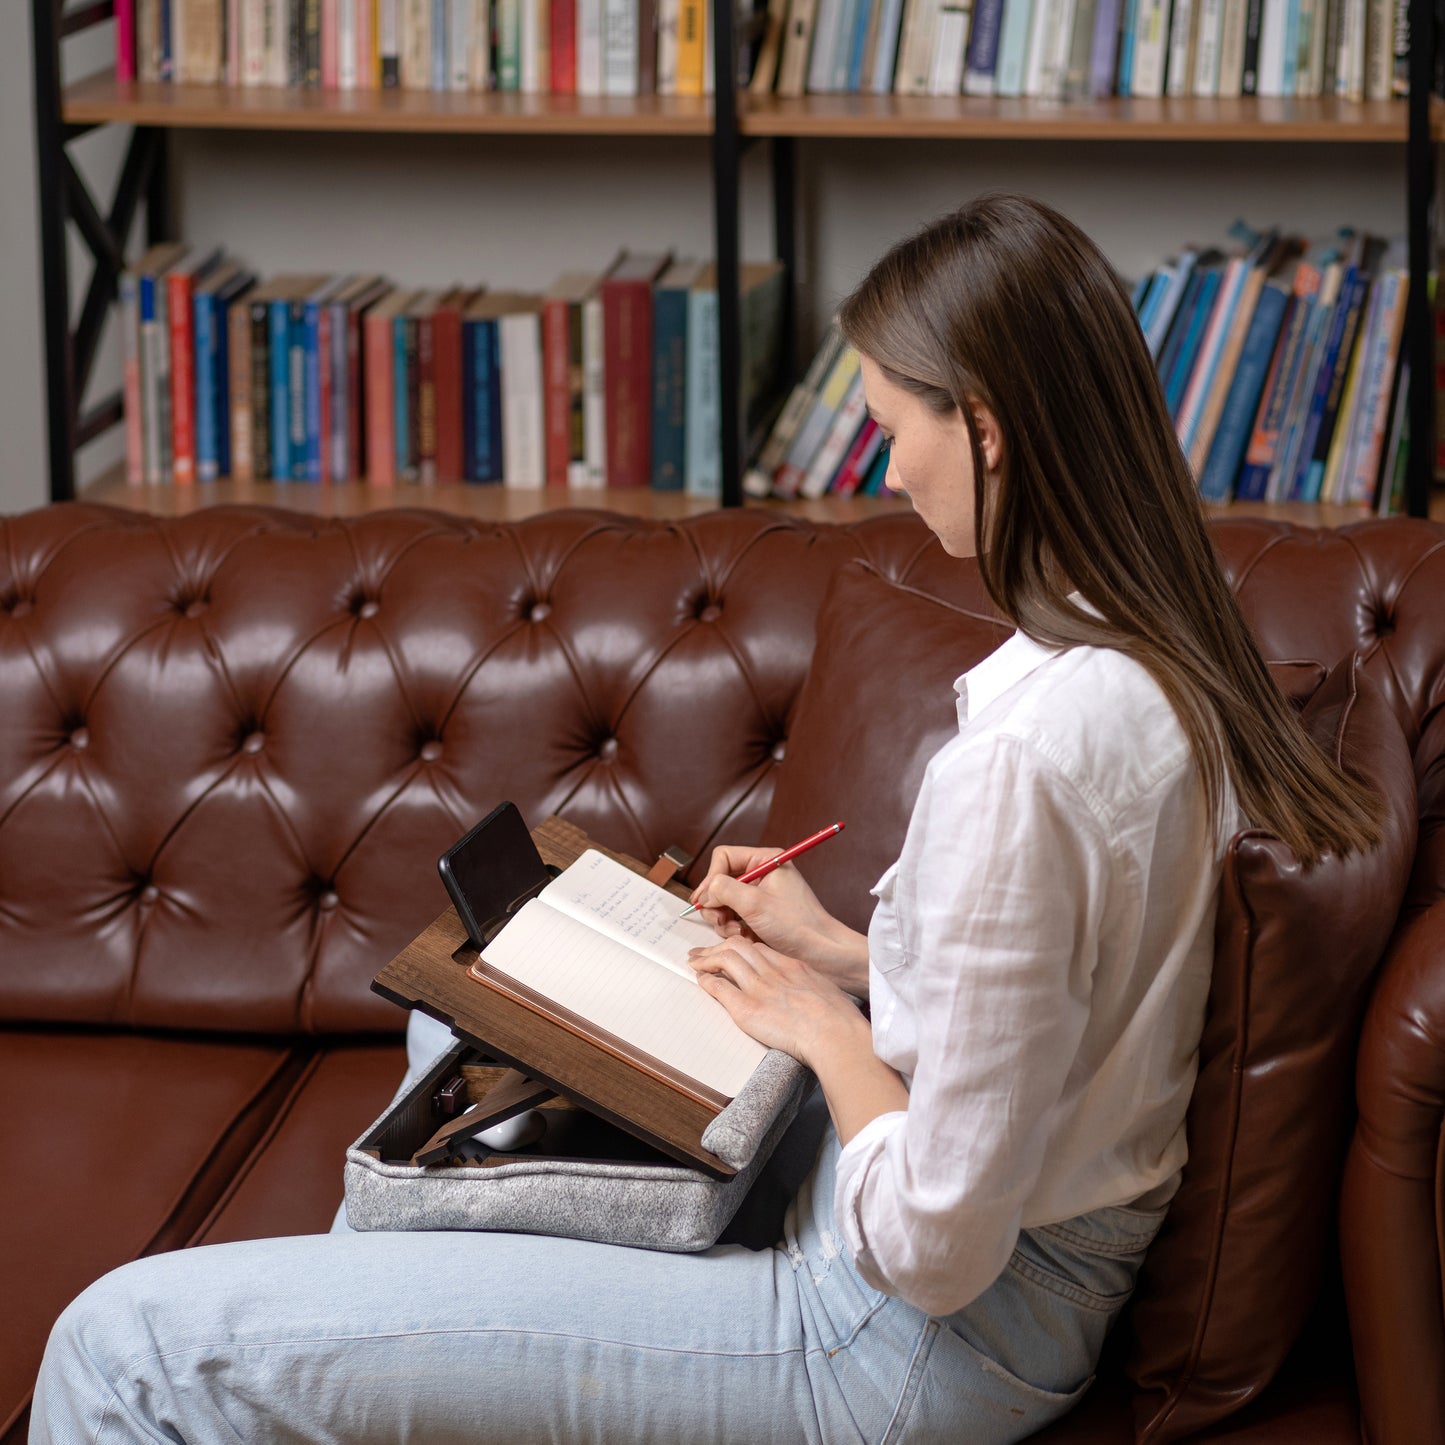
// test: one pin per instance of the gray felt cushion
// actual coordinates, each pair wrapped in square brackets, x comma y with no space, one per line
[647,1205]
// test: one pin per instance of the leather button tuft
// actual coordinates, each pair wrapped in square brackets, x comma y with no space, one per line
[780,750]
[431,751]
[607,750]
[328,900]
[366,607]
[197,607]
[539,611]
[710,612]
[1384,624]
[254,742]
[80,738]
[21,607]
[150,894]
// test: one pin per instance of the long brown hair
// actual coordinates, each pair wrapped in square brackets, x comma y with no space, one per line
[1007,304]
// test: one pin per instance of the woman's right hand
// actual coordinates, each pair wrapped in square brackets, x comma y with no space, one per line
[782,911]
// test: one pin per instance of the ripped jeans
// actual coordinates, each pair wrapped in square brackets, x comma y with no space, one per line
[452,1337]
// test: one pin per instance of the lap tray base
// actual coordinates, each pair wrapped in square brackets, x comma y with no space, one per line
[584,1179]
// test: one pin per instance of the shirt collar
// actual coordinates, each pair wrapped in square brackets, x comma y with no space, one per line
[1008,664]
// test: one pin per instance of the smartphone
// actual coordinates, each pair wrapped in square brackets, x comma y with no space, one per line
[491,870]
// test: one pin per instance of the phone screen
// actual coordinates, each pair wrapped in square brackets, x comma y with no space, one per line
[491,867]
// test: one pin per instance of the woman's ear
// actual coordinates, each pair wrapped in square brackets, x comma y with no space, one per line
[990,435]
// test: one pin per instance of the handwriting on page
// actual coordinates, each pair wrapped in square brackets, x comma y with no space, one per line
[628,908]
[601,979]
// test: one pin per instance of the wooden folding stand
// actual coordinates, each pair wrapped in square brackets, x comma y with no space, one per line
[549,1051]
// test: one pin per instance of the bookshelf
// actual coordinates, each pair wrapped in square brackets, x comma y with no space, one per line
[729,123]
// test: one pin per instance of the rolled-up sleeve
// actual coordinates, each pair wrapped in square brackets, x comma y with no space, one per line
[1002,889]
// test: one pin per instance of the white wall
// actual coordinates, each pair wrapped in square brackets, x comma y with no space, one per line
[515,211]
[22,420]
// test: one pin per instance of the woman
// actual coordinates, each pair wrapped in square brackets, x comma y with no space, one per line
[1009,1127]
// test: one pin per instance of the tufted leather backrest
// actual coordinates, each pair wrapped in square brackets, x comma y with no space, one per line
[233,744]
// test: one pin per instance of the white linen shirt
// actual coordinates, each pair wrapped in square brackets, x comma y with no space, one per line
[1039,961]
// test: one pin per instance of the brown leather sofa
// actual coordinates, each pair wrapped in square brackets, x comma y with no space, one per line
[232,746]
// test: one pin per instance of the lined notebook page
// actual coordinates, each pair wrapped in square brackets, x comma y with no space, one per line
[605,981]
[603,894]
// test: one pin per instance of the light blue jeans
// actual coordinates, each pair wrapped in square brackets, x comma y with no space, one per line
[452,1337]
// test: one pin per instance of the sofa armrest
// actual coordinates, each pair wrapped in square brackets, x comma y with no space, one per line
[1392,1233]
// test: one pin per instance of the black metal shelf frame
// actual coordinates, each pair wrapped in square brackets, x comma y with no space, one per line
[64,197]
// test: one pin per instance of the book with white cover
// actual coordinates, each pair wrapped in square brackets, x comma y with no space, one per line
[603,944]
[519,336]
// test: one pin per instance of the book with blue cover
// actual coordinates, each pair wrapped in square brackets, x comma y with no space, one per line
[669,373]
[1226,450]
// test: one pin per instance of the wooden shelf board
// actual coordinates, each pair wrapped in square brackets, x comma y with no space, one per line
[513,504]
[1181,118]
[101,98]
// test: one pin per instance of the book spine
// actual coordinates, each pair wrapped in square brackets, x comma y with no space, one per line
[326,369]
[703,474]
[1221,467]
[1013,47]
[620,47]
[627,341]
[861,454]
[1361,484]
[311,381]
[238,329]
[438,36]
[691,25]
[842,432]
[594,392]
[1339,352]
[426,399]
[356,396]
[296,389]
[557,391]
[329,72]
[1259,455]
[890,24]
[1343,444]
[1193,339]
[1103,49]
[261,447]
[388,43]
[447,365]
[336,437]
[814,429]
[124,40]
[509,44]
[409,381]
[150,381]
[183,379]
[203,330]
[458,49]
[589,47]
[279,340]
[400,401]
[221,403]
[345,51]
[669,389]
[564,47]
[520,350]
[129,291]
[379,382]
[487,402]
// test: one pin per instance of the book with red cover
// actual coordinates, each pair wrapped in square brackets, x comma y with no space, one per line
[377,344]
[180,286]
[348,309]
[627,367]
[424,415]
[564,47]
[447,363]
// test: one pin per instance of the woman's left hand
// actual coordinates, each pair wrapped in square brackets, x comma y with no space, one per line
[781,1001]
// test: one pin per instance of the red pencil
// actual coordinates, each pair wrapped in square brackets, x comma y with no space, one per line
[786,856]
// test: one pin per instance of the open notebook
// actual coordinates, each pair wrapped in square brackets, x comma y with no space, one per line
[602,943]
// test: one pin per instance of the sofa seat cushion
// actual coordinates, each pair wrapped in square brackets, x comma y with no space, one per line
[115,1146]
[291,1183]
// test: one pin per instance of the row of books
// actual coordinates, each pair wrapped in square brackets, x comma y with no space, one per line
[823,442]
[583,47]
[609,378]
[1282,366]
[1077,49]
